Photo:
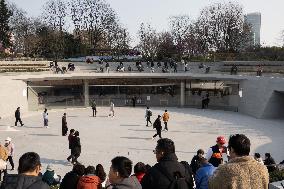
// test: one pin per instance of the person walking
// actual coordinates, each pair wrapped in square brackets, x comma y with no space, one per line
[18,117]
[70,140]
[111,109]
[94,108]
[64,125]
[133,101]
[158,126]
[148,115]
[166,117]
[242,171]
[45,118]
[76,151]
[10,148]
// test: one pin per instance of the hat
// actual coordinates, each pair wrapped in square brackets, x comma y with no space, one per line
[49,168]
[8,139]
[221,140]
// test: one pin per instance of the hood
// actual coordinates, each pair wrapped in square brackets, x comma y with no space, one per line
[129,183]
[25,181]
[90,179]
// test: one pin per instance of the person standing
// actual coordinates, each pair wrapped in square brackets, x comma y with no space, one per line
[10,149]
[76,151]
[158,126]
[94,108]
[111,109]
[148,115]
[107,67]
[133,101]
[166,117]
[215,153]
[45,118]
[18,117]
[242,171]
[70,140]
[196,161]
[64,125]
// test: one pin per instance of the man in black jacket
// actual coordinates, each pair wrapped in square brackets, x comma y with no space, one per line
[76,147]
[18,117]
[29,169]
[71,179]
[158,126]
[167,170]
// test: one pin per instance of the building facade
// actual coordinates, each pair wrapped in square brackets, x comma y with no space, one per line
[254,20]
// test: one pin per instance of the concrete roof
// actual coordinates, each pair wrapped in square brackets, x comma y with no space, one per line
[75,76]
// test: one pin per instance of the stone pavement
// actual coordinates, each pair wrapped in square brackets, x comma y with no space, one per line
[104,137]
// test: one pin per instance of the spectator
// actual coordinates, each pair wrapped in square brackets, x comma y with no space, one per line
[282,162]
[100,172]
[196,161]
[50,177]
[89,180]
[119,173]
[269,162]
[28,174]
[129,68]
[10,148]
[139,171]
[168,169]
[3,158]
[203,174]
[242,171]
[70,180]
[215,153]
[258,158]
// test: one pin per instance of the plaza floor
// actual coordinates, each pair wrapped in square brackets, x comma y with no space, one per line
[104,137]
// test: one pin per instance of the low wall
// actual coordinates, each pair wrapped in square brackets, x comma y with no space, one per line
[13,94]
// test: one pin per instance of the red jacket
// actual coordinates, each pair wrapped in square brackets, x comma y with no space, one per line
[139,176]
[89,182]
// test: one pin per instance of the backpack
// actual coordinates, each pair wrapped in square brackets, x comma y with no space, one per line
[178,181]
[149,113]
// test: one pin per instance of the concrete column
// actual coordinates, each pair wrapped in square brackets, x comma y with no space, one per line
[182,93]
[86,92]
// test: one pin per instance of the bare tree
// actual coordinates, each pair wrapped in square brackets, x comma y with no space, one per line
[221,27]
[166,46]
[94,17]
[148,41]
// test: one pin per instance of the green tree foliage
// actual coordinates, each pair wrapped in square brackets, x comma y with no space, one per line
[5,33]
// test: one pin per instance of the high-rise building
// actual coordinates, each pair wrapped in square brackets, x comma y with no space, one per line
[254,20]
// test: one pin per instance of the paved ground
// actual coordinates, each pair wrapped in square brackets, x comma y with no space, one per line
[126,134]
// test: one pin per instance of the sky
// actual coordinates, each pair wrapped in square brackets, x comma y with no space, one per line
[157,12]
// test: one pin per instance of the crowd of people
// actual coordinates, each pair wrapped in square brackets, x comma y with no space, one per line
[241,171]
[151,66]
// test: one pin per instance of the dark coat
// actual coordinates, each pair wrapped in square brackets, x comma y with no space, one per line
[17,114]
[64,122]
[70,181]
[155,179]
[157,124]
[76,144]
[195,163]
[70,139]
[24,182]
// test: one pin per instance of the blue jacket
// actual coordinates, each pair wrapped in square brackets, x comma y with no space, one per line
[203,174]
